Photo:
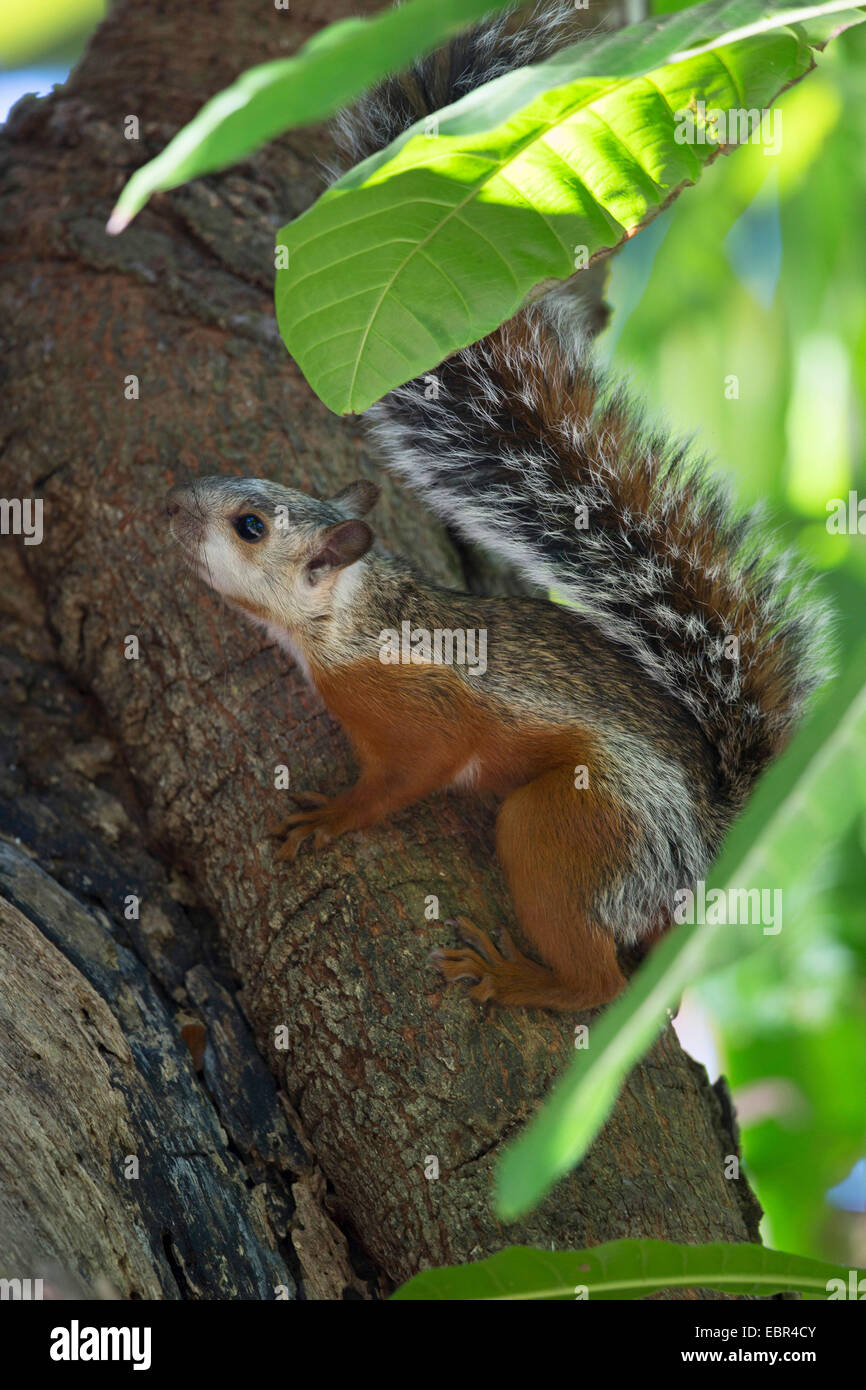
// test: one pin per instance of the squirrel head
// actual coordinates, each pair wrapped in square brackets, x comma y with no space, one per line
[283,556]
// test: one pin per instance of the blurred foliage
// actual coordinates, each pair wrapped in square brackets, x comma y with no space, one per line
[44,31]
[760,272]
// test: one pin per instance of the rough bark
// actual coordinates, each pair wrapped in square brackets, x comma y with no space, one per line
[120,1037]
[381,1067]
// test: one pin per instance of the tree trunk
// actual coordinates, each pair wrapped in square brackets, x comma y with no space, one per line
[151,777]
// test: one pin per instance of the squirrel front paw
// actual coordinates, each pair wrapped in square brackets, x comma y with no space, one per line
[300,825]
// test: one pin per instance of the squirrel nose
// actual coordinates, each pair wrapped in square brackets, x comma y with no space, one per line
[175,500]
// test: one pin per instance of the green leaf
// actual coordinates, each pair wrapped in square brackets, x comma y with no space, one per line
[432,243]
[331,69]
[625,1269]
[822,793]
[802,1077]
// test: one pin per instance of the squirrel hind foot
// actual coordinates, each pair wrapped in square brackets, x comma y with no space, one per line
[308,801]
[504,975]
[319,820]
[320,834]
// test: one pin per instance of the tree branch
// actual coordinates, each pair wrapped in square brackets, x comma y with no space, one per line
[383,1066]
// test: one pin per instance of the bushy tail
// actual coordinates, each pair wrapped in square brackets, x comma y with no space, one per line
[507,41]
[525,449]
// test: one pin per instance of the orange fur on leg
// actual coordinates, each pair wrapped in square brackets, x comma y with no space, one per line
[552,840]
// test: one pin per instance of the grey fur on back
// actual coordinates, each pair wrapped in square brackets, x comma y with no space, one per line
[667,568]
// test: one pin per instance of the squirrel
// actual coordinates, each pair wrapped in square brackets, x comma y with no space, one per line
[622,728]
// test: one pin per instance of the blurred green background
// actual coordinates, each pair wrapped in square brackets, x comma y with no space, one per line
[757,274]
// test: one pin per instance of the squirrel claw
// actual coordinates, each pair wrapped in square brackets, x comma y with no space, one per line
[309,801]
[483,944]
[297,818]
[289,848]
[321,836]
[479,964]
[309,798]
[458,965]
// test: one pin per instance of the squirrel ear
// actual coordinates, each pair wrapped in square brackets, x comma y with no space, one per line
[337,547]
[357,498]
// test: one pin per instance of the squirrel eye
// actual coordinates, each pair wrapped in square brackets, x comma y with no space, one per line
[249,527]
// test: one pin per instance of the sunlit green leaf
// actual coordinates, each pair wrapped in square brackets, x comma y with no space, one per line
[626,1269]
[432,243]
